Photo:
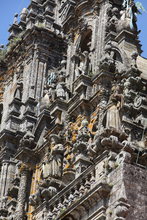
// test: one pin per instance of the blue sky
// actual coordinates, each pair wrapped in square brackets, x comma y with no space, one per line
[9,7]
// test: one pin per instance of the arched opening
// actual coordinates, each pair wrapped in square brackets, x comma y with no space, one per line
[85,43]
[117,56]
[83,58]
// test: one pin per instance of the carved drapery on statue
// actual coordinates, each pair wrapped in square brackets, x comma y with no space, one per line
[113,119]
[82,56]
[53,164]
[82,66]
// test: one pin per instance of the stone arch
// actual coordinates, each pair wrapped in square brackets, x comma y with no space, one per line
[120,54]
[82,64]
[117,56]
[84,40]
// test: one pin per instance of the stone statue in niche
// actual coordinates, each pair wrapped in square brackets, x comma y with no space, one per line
[113,109]
[83,67]
[53,164]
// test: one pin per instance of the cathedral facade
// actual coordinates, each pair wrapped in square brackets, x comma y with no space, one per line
[73,113]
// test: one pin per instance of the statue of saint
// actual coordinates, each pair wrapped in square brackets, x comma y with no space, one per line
[83,67]
[53,163]
[113,110]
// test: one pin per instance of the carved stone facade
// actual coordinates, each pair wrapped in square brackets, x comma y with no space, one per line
[73,113]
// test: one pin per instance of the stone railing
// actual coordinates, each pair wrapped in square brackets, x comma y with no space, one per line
[92,182]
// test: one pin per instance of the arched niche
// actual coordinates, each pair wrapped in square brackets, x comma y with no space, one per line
[82,58]
[117,57]
[85,42]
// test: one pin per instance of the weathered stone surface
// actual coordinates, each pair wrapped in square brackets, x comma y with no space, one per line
[73,113]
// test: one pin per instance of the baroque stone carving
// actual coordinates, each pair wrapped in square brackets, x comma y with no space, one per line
[28,140]
[85,146]
[113,118]
[52,166]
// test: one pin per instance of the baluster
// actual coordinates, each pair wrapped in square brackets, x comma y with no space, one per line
[76,193]
[50,215]
[87,184]
[65,202]
[60,206]
[92,179]
[55,211]
[71,198]
[82,189]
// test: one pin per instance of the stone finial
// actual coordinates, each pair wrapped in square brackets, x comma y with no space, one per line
[23,14]
[15,21]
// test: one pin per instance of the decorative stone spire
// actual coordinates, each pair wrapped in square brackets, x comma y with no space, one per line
[15,21]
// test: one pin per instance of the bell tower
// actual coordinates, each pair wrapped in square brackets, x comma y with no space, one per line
[73,109]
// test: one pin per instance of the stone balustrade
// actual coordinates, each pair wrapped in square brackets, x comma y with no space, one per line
[90,184]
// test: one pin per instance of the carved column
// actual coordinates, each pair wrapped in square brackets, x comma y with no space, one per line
[7,170]
[22,194]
